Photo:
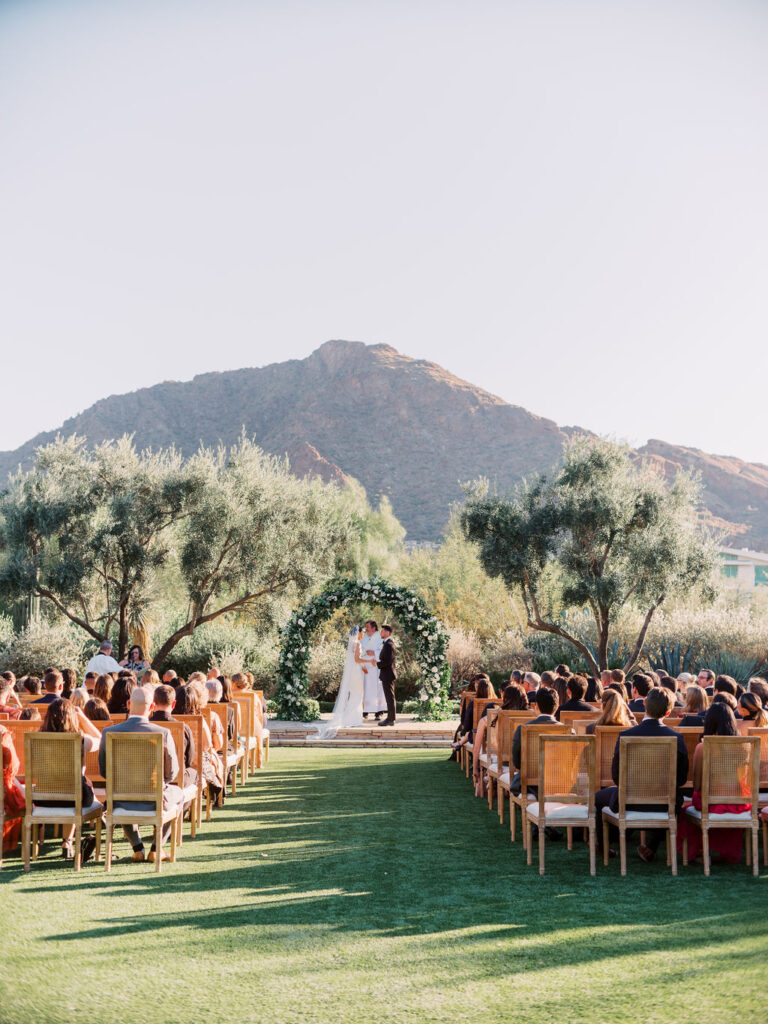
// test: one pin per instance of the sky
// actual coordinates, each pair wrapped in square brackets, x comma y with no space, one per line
[562,202]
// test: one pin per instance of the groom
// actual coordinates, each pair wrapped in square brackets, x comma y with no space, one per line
[388,673]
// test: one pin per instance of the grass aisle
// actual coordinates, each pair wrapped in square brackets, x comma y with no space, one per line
[369,885]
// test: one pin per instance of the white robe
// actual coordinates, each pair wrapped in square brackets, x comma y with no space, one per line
[373,691]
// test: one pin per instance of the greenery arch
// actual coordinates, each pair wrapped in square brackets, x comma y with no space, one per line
[413,614]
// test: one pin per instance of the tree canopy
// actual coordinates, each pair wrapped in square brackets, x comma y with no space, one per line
[599,532]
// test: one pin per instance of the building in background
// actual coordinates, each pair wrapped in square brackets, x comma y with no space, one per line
[743,568]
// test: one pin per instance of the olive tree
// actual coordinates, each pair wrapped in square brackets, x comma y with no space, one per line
[603,530]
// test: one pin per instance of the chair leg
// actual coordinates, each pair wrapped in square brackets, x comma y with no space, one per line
[78,835]
[666,845]
[705,847]
[541,847]
[747,851]
[159,846]
[108,847]
[569,836]
[97,826]
[592,850]
[511,818]
[500,801]
[672,837]
[490,793]
[193,813]
[755,853]
[685,851]
[233,787]
[765,844]
[606,854]
[623,848]
[27,843]
[266,750]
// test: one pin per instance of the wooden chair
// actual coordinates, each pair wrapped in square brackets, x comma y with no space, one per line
[647,775]
[730,774]
[191,793]
[135,774]
[231,760]
[503,775]
[691,735]
[468,749]
[569,717]
[566,791]
[605,739]
[195,723]
[529,769]
[257,743]
[54,771]
[762,735]
[18,731]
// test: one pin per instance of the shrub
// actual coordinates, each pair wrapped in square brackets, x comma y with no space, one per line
[229,646]
[505,652]
[464,654]
[326,665]
[41,644]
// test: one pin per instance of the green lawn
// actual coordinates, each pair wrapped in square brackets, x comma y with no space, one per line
[369,885]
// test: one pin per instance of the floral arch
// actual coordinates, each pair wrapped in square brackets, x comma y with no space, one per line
[413,615]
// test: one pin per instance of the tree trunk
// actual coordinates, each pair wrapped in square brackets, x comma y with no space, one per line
[122,637]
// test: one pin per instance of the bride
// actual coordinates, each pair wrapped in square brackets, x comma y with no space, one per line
[348,709]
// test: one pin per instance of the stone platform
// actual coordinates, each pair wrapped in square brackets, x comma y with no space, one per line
[406,732]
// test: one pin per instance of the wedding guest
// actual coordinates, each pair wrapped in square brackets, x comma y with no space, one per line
[169,678]
[760,689]
[605,679]
[706,680]
[694,709]
[33,685]
[685,679]
[563,670]
[557,683]
[70,682]
[90,680]
[546,701]
[615,712]
[641,684]
[531,683]
[30,714]
[726,684]
[103,661]
[594,690]
[658,704]
[514,698]
[725,842]
[78,697]
[240,682]
[727,698]
[671,684]
[752,713]
[484,691]
[13,795]
[618,677]
[96,710]
[53,684]
[165,702]
[9,702]
[188,703]
[140,708]
[102,688]
[150,678]
[9,677]
[121,695]
[577,688]
[63,716]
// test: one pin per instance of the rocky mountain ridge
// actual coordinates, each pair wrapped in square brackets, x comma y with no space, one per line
[403,427]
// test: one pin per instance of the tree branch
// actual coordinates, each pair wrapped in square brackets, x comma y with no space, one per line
[632,659]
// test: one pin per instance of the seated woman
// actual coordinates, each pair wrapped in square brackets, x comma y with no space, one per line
[120,695]
[695,707]
[615,712]
[726,842]
[96,710]
[78,697]
[752,713]
[102,688]
[484,691]
[30,714]
[189,701]
[63,716]
[514,699]
[13,795]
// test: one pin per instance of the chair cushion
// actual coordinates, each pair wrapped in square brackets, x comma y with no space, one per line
[554,811]
[637,815]
[504,778]
[483,758]
[189,793]
[724,816]
[67,812]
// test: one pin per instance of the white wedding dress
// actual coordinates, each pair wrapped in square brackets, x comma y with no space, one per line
[348,709]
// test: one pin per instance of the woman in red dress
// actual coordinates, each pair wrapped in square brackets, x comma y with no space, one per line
[13,798]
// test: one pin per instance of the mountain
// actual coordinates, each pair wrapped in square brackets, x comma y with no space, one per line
[403,427]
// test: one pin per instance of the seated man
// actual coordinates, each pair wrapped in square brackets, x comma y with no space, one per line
[531,684]
[140,707]
[165,702]
[641,686]
[706,680]
[546,700]
[577,688]
[53,684]
[658,703]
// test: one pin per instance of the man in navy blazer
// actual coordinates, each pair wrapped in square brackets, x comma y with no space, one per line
[658,703]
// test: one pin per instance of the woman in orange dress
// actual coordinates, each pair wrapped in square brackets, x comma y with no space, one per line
[13,798]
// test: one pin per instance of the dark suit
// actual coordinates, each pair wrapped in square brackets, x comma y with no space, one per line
[49,698]
[691,721]
[609,797]
[638,704]
[190,774]
[388,675]
[574,704]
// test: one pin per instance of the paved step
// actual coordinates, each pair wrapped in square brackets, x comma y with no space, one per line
[395,742]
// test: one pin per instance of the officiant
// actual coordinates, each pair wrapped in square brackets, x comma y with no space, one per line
[373,692]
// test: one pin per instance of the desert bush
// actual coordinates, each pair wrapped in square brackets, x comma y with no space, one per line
[701,636]
[326,664]
[505,652]
[465,653]
[232,647]
[41,644]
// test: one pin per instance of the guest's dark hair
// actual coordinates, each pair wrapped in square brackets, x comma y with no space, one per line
[61,717]
[32,685]
[725,684]
[136,647]
[594,689]
[516,676]
[485,689]
[641,683]
[102,688]
[756,713]
[562,670]
[720,721]
[669,684]
[546,699]
[29,714]
[728,699]
[165,695]
[52,680]
[70,682]
[658,702]
[226,689]
[577,687]
[760,688]
[617,675]
[374,623]
[121,694]
[96,710]
[187,700]
[514,698]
